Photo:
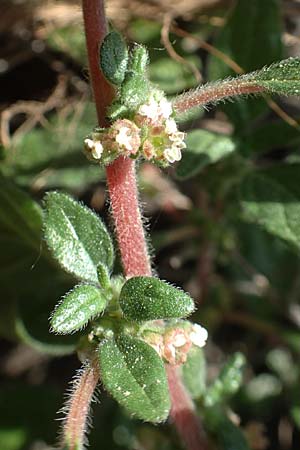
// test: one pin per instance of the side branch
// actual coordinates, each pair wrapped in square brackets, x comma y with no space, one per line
[78,408]
[214,92]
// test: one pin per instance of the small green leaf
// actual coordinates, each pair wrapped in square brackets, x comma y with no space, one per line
[272,199]
[203,148]
[282,77]
[228,381]
[134,375]
[148,298]
[139,60]
[114,58]
[134,91]
[79,306]
[76,236]
[194,372]
[103,276]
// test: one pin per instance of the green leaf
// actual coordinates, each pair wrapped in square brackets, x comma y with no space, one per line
[148,298]
[271,198]
[78,306]
[282,77]
[228,381]
[228,435]
[114,58]
[203,148]
[194,372]
[70,40]
[76,236]
[252,39]
[134,375]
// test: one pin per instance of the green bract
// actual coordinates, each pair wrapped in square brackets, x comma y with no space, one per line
[148,298]
[114,58]
[134,375]
[76,236]
[80,305]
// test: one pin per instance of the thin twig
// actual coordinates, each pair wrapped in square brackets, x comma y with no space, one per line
[165,31]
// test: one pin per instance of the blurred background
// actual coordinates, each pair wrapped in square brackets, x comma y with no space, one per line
[243,274]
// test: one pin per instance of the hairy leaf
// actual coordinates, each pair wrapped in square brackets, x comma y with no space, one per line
[76,236]
[282,77]
[134,375]
[148,298]
[79,306]
[114,58]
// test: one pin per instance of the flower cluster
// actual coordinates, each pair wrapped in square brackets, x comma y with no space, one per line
[173,346]
[152,133]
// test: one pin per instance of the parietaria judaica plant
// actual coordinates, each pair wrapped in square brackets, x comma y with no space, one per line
[131,328]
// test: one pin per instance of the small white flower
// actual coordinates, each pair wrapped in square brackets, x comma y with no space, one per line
[198,335]
[149,109]
[123,139]
[171,127]
[165,108]
[179,340]
[89,143]
[172,154]
[95,148]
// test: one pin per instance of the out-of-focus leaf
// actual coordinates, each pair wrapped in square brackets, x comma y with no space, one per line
[172,76]
[228,435]
[228,381]
[70,40]
[29,283]
[18,430]
[134,375]
[52,156]
[203,148]
[271,198]
[263,386]
[76,236]
[194,372]
[252,40]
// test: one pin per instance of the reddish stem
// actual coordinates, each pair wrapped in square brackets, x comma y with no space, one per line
[126,213]
[214,92]
[78,408]
[121,181]
[183,413]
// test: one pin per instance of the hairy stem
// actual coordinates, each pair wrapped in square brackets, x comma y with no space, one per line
[121,181]
[183,413]
[123,194]
[214,92]
[78,408]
